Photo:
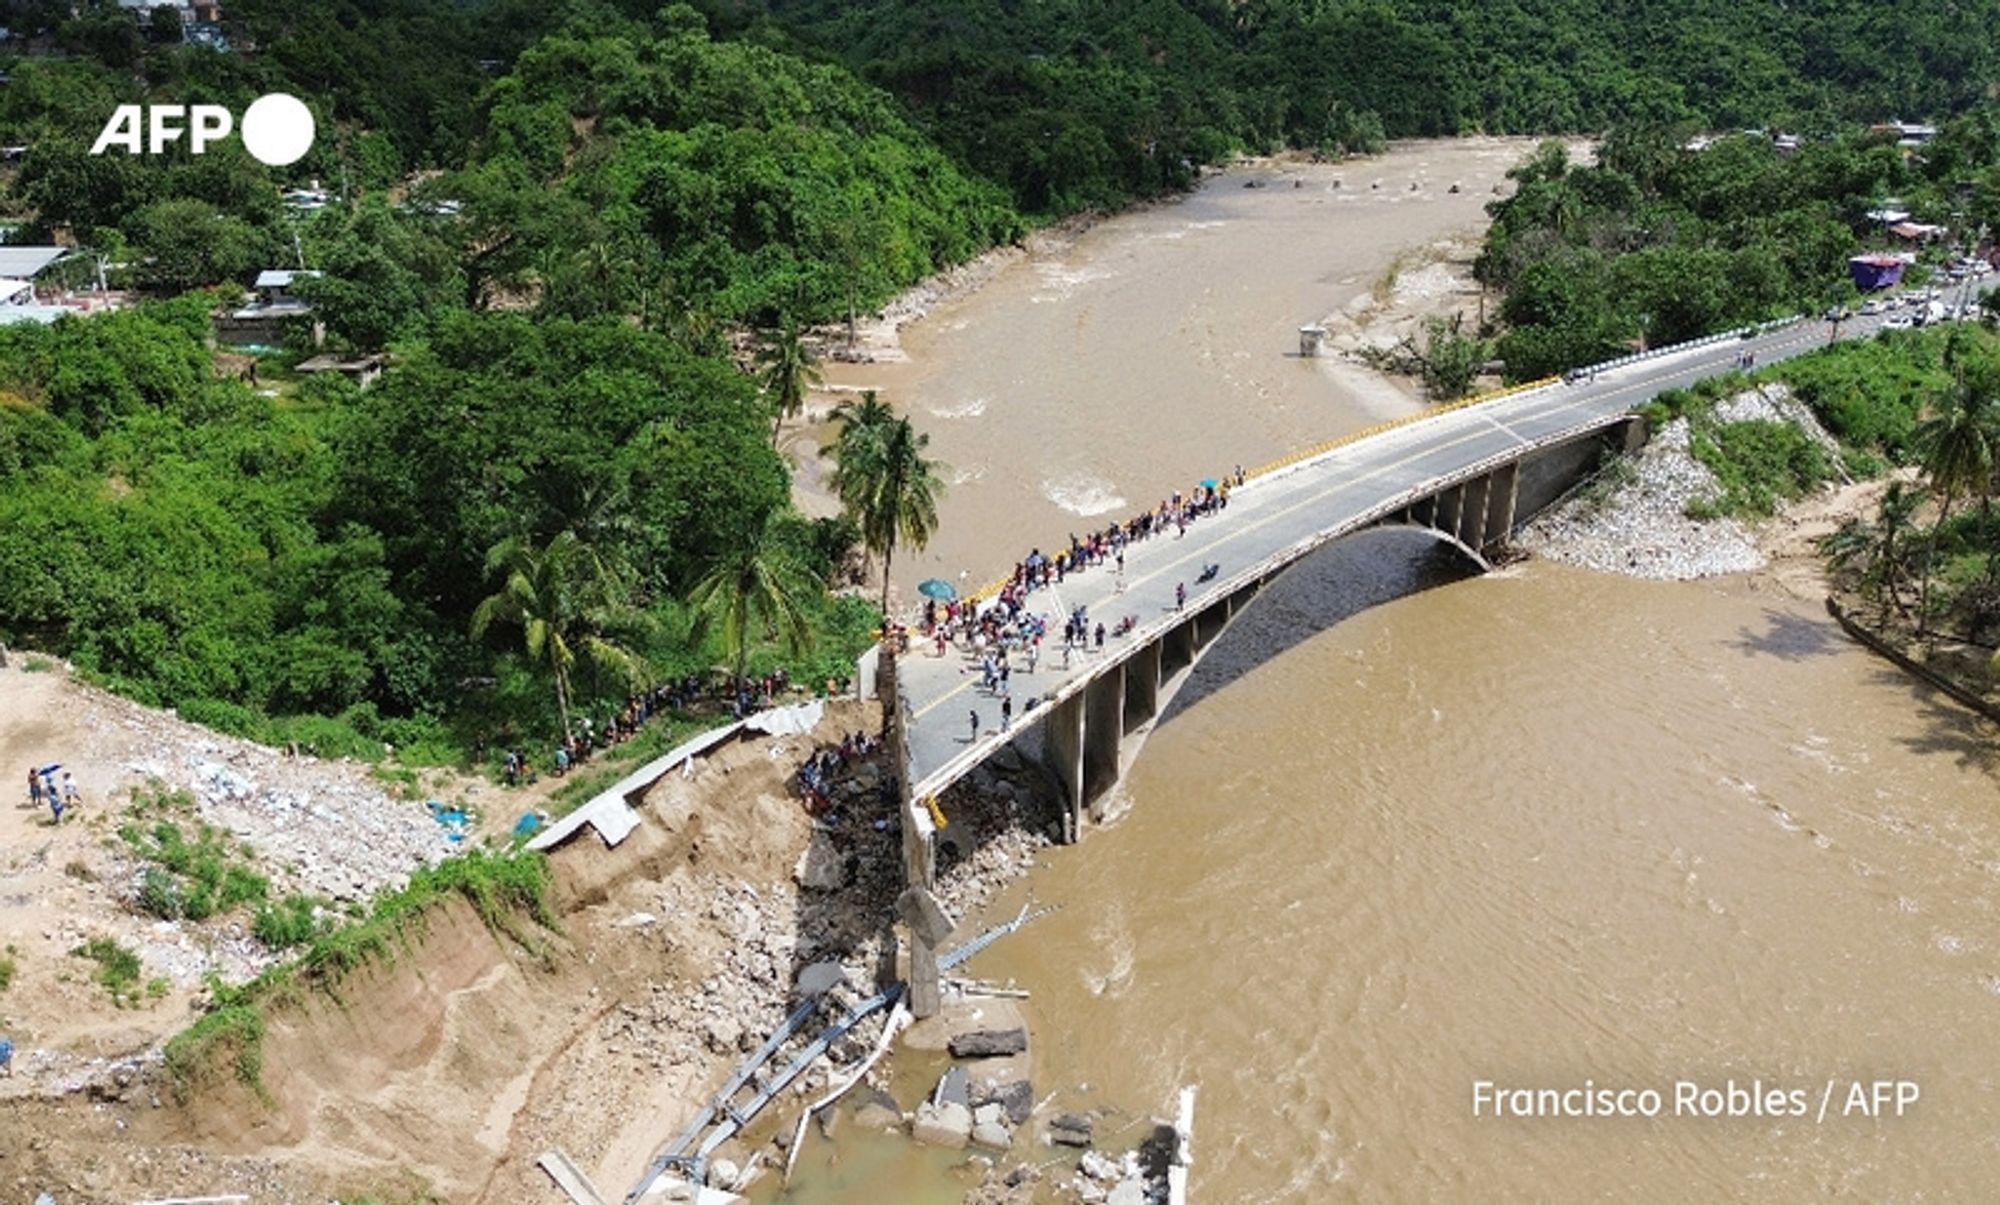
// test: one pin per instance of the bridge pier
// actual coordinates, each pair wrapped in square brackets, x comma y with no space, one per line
[1504,491]
[1103,733]
[1177,649]
[1208,623]
[1472,511]
[1062,752]
[1450,507]
[1142,687]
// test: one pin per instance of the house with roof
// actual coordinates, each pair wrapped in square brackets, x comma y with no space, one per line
[1918,232]
[21,298]
[362,370]
[1877,271]
[274,295]
[272,307]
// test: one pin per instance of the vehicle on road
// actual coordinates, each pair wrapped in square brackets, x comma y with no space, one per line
[1898,322]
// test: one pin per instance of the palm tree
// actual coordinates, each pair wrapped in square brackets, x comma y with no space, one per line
[886,482]
[1876,550]
[1958,445]
[756,588]
[562,596]
[860,433]
[786,370]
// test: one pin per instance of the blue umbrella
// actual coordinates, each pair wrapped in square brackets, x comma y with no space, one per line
[1208,483]
[937,588]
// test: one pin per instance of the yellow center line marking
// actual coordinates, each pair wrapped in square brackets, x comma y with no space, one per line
[1479,432]
[1429,449]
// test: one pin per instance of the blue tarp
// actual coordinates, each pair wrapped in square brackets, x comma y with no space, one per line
[454,820]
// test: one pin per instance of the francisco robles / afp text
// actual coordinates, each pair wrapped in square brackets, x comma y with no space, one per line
[1691,1098]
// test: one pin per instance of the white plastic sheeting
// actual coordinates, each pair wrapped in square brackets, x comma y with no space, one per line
[610,811]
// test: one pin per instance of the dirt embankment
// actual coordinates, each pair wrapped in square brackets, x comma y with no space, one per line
[451,1068]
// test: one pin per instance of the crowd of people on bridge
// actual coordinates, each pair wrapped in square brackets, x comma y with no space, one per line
[976,628]
[995,632]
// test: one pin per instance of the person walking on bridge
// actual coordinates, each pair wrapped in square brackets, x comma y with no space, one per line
[1180,596]
[975,728]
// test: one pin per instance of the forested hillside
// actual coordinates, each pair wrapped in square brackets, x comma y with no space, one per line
[571,222]
[1075,102]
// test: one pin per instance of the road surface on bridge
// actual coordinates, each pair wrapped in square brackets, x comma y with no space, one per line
[1274,519]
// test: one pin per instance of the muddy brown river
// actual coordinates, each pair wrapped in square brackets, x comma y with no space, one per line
[1541,829]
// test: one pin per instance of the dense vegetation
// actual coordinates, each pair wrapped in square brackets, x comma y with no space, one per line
[1079,102]
[570,221]
[1929,402]
[1656,244]
[204,546]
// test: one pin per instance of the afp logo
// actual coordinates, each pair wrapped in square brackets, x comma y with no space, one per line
[277,129]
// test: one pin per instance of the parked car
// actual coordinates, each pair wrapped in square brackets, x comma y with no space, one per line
[1899,322]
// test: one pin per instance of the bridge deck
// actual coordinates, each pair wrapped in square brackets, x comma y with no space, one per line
[1276,519]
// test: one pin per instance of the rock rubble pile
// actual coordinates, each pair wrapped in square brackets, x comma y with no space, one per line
[1634,520]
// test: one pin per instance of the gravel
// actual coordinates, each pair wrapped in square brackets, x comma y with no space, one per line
[1633,519]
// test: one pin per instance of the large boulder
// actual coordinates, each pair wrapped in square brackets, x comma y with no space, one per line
[1015,1097]
[988,1043]
[992,1136]
[947,1125]
[822,867]
[1070,1129]
[879,1113]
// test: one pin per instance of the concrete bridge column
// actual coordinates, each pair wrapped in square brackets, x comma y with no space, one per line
[1505,491]
[1103,731]
[1450,505]
[1062,751]
[1177,649]
[1209,622]
[1472,511]
[1142,686]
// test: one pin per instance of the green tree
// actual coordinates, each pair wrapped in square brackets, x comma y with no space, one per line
[786,370]
[756,589]
[860,432]
[1957,445]
[1876,550]
[1450,358]
[884,480]
[187,243]
[564,598]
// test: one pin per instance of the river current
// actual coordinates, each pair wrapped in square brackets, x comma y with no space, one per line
[1406,831]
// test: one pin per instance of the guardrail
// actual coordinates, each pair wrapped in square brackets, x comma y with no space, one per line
[1150,630]
[1740,332]
[1313,451]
